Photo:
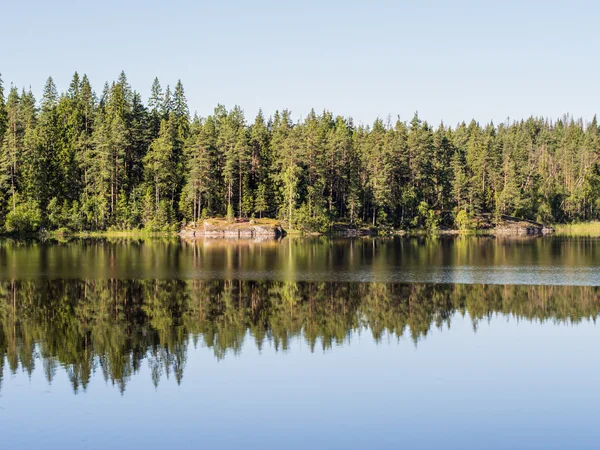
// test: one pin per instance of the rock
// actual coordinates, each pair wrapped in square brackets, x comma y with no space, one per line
[546,230]
[511,226]
[243,230]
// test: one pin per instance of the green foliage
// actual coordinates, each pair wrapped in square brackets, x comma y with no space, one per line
[261,204]
[162,218]
[94,162]
[464,221]
[426,217]
[24,218]
[76,220]
[63,231]
[123,213]
[311,221]
[53,210]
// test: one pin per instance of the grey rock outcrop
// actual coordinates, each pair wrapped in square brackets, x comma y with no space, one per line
[245,230]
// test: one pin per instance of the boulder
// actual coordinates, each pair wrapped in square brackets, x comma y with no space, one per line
[240,230]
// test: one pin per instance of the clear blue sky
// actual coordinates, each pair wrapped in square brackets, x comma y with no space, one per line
[450,60]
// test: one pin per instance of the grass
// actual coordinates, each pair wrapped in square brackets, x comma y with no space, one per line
[590,229]
[112,234]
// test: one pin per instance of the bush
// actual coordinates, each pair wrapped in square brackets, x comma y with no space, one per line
[25,218]
[162,219]
[54,212]
[426,217]
[464,221]
[318,221]
[76,217]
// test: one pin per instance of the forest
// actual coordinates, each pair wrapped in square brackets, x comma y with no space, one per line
[81,161]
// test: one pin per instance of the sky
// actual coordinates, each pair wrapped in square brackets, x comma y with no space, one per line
[451,61]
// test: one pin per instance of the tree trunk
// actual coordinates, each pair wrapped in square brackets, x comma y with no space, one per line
[240,194]
[156,193]
[194,207]
[116,201]
[199,205]
[290,205]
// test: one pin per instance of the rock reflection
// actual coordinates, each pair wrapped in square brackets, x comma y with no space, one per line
[114,327]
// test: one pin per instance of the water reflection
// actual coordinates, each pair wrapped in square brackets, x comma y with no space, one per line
[554,260]
[113,327]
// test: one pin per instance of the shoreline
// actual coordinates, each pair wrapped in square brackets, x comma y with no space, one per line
[264,229]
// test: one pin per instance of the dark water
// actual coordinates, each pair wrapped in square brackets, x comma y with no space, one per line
[566,261]
[300,344]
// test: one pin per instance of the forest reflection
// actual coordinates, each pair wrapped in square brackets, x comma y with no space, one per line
[114,327]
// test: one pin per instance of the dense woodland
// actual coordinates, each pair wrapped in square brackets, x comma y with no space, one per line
[81,161]
[116,327]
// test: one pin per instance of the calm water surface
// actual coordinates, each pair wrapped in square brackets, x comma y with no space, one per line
[566,261]
[343,344]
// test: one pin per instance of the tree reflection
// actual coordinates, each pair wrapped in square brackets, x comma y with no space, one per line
[115,327]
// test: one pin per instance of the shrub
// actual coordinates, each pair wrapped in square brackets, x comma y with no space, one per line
[426,217]
[318,221]
[464,221]
[25,218]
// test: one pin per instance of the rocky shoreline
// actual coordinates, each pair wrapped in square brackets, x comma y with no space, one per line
[272,229]
[513,226]
[235,230]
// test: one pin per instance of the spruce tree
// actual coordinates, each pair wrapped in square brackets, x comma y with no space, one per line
[160,166]
[3,113]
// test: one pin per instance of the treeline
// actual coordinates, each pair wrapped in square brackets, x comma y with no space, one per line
[80,161]
[114,327]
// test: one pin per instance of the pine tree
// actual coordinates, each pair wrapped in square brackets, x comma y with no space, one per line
[339,149]
[199,170]
[160,165]
[167,105]
[261,204]
[36,167]
[11,148]
[288,152]
[231,144]
[88,107]
[155,108]
[420,159]
[3,113]
[98,168]
[314,142]
[403,195]
[117,121]
[242,150]
[378,162]
[441,167]
[460,183]
[140,137]
[260,163]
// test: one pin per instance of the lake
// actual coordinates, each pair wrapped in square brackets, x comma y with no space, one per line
[300,343]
